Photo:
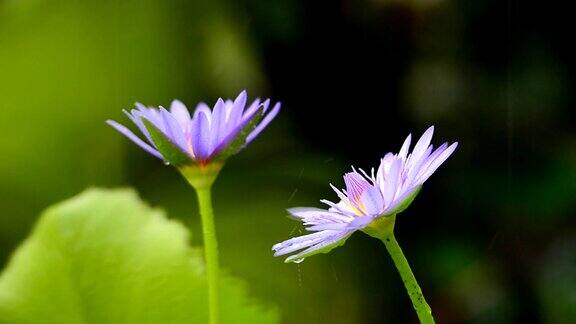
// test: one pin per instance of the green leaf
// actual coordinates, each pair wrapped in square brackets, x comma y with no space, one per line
[106,257]
[169,150]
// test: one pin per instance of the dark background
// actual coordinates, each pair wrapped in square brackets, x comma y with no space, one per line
[491,236]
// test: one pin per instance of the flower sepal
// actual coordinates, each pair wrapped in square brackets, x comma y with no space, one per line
[201,176]
[239,140]
[171,153]
[381,227]
[406,202]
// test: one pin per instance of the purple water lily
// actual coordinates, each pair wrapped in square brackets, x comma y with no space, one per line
[203,137]
[366,198]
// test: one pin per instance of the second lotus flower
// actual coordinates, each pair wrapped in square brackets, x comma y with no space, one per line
[181,139]
[367,198]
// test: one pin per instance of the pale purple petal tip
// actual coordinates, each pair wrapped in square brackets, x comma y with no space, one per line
[218,124]
[240,101]
[267,119]
[180,113]
[201,136]
[437,162]
[128,133]
[236,111]
[173,130]
[330,242]
[203,108]
[153,115]
[300,242]
[392,181]
[421,146]
[405,147]
[135,117]
[253,109]
[315,216]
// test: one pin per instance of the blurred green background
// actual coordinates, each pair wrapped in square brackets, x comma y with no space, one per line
[491,237]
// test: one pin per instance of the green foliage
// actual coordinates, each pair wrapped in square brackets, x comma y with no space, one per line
[106,257]
[556,280]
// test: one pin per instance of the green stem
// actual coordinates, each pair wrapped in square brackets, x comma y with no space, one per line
[210,250]
[418,302]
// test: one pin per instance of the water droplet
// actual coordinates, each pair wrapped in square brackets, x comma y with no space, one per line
[298,261]
[166,163]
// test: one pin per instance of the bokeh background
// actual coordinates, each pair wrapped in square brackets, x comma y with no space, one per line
[491,236]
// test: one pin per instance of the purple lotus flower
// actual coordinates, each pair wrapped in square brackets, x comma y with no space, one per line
[180,139]
[367,198]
